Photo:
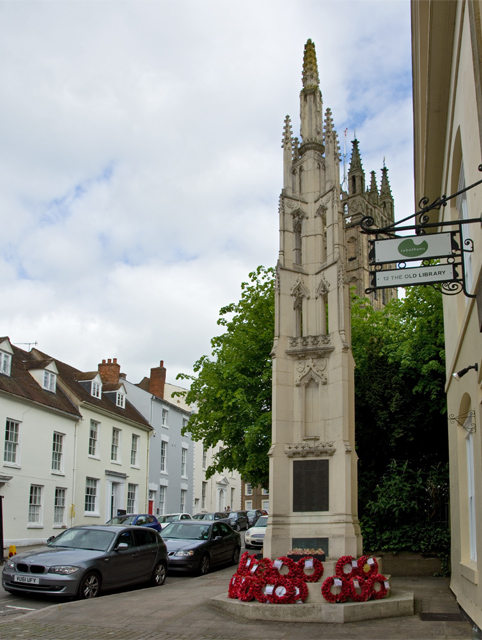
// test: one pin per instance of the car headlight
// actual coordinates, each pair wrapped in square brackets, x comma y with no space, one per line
[183,554]
[64,569]
[10,564]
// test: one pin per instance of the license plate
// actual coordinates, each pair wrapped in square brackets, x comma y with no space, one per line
[26,579]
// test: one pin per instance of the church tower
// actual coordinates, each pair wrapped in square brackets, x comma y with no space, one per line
[359,202]
[313,463]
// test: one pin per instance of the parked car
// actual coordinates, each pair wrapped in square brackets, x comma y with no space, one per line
[254,536]
[253,515]
[172,517]
[198,545]
[216,515]
[83,561]
[238,520]
[137,519]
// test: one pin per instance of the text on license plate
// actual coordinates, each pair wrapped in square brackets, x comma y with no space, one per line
[26,579]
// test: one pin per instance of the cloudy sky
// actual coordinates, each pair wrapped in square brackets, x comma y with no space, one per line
[141,161]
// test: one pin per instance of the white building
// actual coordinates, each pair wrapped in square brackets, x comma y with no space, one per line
[75,450]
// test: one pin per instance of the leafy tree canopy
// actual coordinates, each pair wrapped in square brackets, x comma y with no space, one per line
[400,402]
[232,390]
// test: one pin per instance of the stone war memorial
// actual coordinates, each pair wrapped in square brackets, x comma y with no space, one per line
[313,463]
[313,548]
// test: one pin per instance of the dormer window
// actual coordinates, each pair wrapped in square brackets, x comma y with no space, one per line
[96,389]
[121,400]
[50,381]
[5,363]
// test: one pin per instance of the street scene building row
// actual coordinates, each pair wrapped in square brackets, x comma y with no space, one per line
[80,447]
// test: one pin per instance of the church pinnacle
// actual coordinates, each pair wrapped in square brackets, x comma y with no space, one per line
[311,103]
[310,66]
[355,157]
[385,190]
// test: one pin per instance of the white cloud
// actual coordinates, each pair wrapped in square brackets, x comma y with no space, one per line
[140,160]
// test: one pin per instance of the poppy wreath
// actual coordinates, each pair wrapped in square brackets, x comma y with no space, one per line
[266,570]
[301,590]
[317,569]
[294,570]
[245,589]
[365,589]
[367,569]
[234,585]
[245,563]
[377,594]
[284,592]
[336,597]
[259,590]
[347,561]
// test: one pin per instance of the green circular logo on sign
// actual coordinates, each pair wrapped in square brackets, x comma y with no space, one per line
[409,249]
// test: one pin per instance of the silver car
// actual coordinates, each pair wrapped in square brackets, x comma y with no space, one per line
[83,561]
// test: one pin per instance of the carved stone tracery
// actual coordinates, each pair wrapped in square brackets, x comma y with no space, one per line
[305,450]
[311,368]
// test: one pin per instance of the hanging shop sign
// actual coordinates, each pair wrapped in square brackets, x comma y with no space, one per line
[413,276]
[445,241]
[425,247]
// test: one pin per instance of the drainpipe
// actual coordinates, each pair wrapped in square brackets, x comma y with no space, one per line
[72,507]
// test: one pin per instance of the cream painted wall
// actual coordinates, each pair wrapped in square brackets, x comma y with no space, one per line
[106,471]
[449,82]
[37,426]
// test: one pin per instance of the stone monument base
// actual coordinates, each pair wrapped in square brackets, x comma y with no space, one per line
[397,604]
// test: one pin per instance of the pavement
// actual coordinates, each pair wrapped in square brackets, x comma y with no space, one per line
[181,610]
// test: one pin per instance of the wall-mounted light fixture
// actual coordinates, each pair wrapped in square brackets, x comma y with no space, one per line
[462,372]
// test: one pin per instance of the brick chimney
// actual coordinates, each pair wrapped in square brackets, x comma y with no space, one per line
[158,380]
[109,371]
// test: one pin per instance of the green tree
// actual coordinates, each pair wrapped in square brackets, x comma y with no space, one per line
[232,390]
[401,427]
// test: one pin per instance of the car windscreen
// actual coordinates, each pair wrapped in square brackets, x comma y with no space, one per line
[181,531]
[94,539]
[122,520]
[262,521]
[203,516]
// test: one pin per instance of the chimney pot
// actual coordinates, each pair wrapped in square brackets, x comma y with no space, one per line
[109,371]
[157,381]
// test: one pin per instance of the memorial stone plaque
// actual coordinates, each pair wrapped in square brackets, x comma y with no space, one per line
[310,485]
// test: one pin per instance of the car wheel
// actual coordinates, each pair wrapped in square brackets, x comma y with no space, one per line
[204,565]
[89,586]
[236,553]
[158,577]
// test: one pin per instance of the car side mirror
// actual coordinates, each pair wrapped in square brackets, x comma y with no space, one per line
[218,538]
[49,540]
[121,546]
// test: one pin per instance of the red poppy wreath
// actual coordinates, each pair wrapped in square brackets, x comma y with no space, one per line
[284,592]
[308,562]
[245,589]
[233,586]
[346,567]
[301,590]
[260,590]
[360,589]
[337,582]
[294,570]
[378,586]
[367,566]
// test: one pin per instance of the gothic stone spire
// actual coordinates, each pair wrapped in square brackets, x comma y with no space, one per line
[311,104]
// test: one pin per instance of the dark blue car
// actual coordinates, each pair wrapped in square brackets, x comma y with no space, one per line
[137,519]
